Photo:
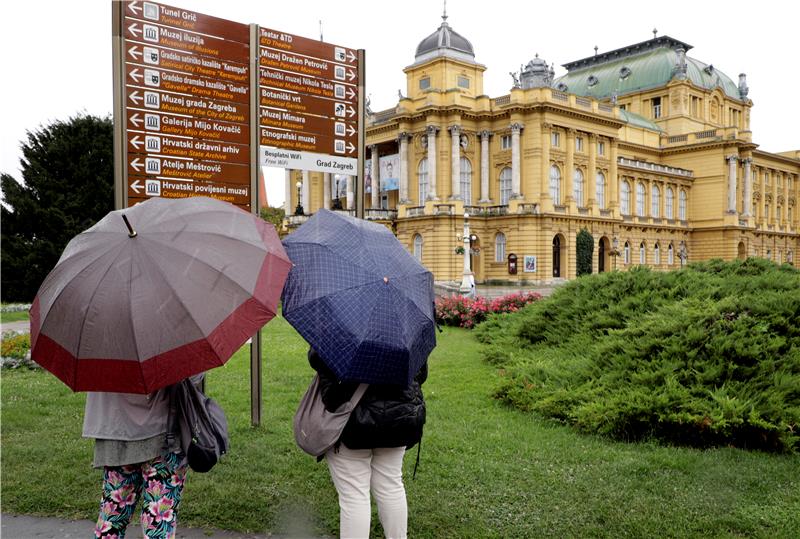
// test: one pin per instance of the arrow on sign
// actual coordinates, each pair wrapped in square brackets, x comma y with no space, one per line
[136,142]
[350,148]
[135,119]
[136,164]
[351,75]
[134,30]
[133,51]
[136,186]
[350,130]
[135,74]
[351,111]
[135,97]
[350,93]
[135,8]
[351,56]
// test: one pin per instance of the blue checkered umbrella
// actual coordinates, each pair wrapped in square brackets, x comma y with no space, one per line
[359,298]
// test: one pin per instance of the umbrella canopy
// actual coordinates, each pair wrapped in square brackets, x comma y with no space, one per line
[132,312]
[359,298]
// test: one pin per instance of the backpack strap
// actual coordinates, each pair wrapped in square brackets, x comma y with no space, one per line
[419,448]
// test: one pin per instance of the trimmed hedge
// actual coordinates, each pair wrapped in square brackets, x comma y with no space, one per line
[708,355]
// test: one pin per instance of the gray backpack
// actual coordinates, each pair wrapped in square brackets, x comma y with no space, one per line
[201,424]
[315,428]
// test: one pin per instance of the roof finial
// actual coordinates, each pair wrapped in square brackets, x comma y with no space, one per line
[444,13]
[595,50]
[655,31]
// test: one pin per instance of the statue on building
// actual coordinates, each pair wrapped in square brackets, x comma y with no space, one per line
[536,74]
[515,77]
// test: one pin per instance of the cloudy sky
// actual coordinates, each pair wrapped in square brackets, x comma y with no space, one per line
[57,54]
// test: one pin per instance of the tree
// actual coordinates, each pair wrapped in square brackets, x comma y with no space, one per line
[584,249]
[274,216]
[68,173]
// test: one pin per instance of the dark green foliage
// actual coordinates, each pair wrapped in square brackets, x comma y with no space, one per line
[709,355]
[68,170]
[584,247]
[274,216]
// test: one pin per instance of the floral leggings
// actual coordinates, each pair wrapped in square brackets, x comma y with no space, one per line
[161,479]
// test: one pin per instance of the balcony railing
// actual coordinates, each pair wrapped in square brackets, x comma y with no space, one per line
[486,210]
[380,214]
[415,211]
[654,167]
[444,209]
[528,208]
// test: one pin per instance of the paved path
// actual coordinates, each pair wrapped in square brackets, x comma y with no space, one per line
[21,325]
[28,527]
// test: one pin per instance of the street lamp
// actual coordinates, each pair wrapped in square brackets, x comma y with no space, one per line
[683,253]
[615,250]
[299,209]
[337,203]
[466,288]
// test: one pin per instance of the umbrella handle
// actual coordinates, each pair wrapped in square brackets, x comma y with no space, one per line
[131,231]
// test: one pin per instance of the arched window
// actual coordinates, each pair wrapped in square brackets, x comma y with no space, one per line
[642,254]
[466,180]
[655,199]
[682,205]
[555,184]
[669,204]
[627,253]
[577,187]
[500,247]
[422,175]
[418,247]
[625,198]
[670,255]
[639,199]
[657,254]
[600,190]
[505,185]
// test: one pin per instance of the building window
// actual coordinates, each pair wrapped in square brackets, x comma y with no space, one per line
[505,142]
[505,185]
[424,83]
[766,213]
[670,255]
[657,255]
[578,144]
[655,199]
[669,204]
[640,199]
[555,139]
[623,107]
[500,247]
[626,251]
[418,247]
[601,148]
[466,180]
[577,187]
[682,205]
[766,178]
[696,106]
[600,193]
[463,82]
[656,107]
[555,184]
[422,175]
[642,254]
[789,215]
[625,198]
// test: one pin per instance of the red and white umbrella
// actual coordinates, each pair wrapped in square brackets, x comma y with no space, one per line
[155,293]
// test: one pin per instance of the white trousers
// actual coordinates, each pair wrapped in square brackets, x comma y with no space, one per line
[357,471]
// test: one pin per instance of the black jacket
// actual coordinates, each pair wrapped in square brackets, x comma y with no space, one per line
[386,416]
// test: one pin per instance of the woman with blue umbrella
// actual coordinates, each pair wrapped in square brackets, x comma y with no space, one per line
[366,307]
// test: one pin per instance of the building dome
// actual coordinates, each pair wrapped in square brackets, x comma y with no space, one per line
[650,64]
[444,42]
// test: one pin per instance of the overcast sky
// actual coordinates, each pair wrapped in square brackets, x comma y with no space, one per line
[56,55]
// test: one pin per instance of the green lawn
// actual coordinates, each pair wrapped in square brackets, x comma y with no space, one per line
[485,471]
[13,317]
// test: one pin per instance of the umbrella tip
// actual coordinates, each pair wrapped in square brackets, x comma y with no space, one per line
[131,231]
[386,280]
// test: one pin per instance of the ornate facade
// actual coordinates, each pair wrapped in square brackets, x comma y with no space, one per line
[646,148]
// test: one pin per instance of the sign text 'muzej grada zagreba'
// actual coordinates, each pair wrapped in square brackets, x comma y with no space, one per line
[190,111]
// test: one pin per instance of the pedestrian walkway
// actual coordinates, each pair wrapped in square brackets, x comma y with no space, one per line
[21,325]
[30,527]
[443,288]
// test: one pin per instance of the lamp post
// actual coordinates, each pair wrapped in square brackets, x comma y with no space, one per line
[615,251]
[337,203]
[466,278]
[683,253]
[299,208]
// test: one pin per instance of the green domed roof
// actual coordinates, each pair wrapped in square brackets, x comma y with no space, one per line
[649,64]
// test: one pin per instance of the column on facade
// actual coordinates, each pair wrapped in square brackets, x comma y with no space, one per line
[762,201]
[376,188]
[485,134]
[516,129]
[306,193]
[287,190]
[569,173]
[590,182]
[747,206]
[782,188]
[732,165]
[613,179]
[662,206]
[350,192]
[326,190]
[403,150]
[544,185]
[773,212]
[455,162]
[431,130]
[648,198]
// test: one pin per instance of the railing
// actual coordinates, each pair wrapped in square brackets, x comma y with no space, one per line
[654,167]
[351,213]
[415,211]
[444,209]
[583,211]
[383,115]
[482,211]
[502,100]
[529,208]
[379,214]
[605,213]
[560,209]
[742,222]
[560,96]
[605,107]
[296,220]
[677,138]
[583,102]
[708,133]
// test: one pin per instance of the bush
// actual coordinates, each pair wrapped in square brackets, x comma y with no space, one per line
[467,312]
[708,355]
[15,346]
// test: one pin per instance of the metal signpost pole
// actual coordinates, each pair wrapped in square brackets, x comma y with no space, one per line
[117,45]
[255,342]
[362,139]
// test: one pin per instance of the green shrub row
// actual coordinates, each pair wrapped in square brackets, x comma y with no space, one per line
[708,355]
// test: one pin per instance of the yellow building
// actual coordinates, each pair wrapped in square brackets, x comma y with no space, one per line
[645,147]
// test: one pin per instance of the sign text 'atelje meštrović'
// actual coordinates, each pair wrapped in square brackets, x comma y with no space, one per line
[185,82]
[308,104]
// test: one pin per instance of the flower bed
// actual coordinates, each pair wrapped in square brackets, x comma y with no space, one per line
[467,312]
